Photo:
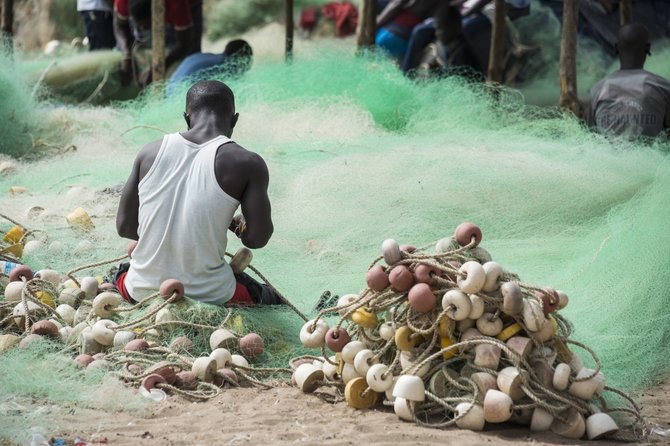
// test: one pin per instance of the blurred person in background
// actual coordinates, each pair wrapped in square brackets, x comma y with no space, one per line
[233,62]
[631,101]
[98,21]
[183,34]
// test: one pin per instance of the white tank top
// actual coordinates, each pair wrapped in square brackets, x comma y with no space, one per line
[183,224]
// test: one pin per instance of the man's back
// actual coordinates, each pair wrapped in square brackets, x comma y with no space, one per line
[179,202]
[184,216]
[631,102]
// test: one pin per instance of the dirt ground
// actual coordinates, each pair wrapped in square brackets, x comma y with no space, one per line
[284,415]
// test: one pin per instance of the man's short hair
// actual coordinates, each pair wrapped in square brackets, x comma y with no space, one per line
[633,37]
[140,9]
[210,95]
[238,48]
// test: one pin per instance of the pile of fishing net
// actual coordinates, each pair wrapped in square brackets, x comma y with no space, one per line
[452,338]
[163,343]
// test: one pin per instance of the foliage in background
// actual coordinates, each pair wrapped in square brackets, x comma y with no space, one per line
[230,17]
[70,24]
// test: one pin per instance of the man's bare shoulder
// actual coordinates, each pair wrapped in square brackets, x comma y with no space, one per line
[150,150]
[147,155]
[234,154]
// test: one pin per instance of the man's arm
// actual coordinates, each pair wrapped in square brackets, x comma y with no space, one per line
[256,206]
[127,217]
[124,40]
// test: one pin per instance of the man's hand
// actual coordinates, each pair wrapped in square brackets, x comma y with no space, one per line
[238,225]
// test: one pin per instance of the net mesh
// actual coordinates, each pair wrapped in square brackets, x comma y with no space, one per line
[357,154]
[42,373]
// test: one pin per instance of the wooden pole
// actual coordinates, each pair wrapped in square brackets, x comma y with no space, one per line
[158,40]
[625,12]
[289,30]
[367,29]
[497,51]
[8,24]
[568,62]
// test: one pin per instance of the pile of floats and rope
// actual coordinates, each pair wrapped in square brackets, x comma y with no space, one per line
[92,319]
[452,338]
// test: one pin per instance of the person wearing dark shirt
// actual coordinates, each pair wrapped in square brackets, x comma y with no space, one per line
[631,101]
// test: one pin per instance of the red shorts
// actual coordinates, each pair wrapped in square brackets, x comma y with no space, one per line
[241,296]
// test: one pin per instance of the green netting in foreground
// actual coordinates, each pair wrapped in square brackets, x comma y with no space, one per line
[357,154]
[40,385]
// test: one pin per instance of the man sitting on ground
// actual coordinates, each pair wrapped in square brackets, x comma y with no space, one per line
[179,202]
[631,101]
[233,62]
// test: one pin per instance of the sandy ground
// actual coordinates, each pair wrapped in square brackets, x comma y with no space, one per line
[282,416]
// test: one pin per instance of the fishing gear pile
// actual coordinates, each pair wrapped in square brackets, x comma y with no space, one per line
[164,343]
[452,338]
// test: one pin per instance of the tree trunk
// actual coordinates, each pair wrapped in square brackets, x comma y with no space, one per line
[289,30]
[8,24]
[568,63]
[497,52]
[158,40]
[625,12]
[367,29]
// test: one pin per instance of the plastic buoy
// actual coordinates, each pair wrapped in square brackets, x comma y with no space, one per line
[497,406]
[336,339]
[241,260]
[421,298]
[471,277]
[466,232]
[80,220]
[358,395]
[308,377]
[470,416]
[172,289]
[410,388]
[365,318]
[377,278]
[251,345]
[313,333]
[401,278]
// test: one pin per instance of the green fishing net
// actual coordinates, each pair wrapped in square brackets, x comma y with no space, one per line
[19,120]
[40,381]
[357,154]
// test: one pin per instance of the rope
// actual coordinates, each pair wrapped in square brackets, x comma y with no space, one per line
[12,221]
[393,307]
[204,392]
[99,88]
[144,126]
[150,314]
[281,296]
[93,265]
